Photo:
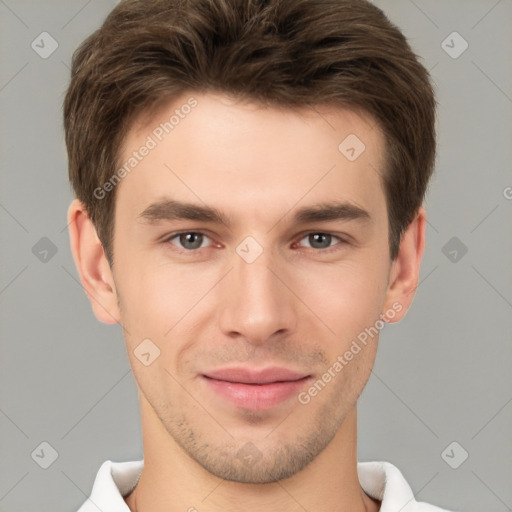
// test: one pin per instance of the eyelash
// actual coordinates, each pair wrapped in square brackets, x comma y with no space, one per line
[335,247]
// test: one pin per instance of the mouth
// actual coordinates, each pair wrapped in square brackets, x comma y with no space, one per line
[255,389]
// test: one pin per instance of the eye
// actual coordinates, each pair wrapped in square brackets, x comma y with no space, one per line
[321,241]
[189,240]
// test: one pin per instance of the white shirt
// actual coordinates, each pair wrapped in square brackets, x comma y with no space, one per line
[380,480]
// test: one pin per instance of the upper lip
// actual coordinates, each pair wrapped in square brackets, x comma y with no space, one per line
[252,376]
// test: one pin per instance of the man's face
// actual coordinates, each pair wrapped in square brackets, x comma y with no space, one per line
[250,312]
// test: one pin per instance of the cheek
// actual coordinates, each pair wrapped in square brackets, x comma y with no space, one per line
[157,295]
[162,303]
[155,304]
[346,298]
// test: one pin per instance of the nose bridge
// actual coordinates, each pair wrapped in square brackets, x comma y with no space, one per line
[255,303]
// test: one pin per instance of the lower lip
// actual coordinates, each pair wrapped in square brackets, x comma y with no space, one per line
[256,396]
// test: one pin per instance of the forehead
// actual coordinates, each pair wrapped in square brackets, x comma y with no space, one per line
[212,148]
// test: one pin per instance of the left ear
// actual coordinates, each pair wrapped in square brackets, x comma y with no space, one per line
[405,269]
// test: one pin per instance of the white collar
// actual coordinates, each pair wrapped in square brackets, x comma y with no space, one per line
[380,480]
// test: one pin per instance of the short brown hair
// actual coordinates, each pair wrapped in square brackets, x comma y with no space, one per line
[287,53]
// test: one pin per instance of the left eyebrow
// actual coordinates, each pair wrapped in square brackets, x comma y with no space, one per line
[330,212]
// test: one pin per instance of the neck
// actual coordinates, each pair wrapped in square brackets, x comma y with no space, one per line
[171,481]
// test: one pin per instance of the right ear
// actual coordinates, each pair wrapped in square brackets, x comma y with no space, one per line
[92,265]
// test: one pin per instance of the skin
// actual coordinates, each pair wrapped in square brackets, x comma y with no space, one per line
[299,305]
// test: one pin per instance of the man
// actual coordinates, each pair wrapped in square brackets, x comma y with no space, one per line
[249,178]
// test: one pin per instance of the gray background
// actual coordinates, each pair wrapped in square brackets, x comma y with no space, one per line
[443,374]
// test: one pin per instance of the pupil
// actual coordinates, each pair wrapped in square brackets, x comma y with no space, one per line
[191,240]
[320,240]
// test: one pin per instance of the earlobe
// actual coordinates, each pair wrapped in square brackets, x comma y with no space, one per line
[405,269]
[92,264]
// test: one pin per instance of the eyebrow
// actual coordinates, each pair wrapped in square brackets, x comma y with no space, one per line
[170,209]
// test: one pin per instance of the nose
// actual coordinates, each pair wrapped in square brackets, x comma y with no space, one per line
[255,304]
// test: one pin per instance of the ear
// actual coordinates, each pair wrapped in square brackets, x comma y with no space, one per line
[405,269]
[92,265]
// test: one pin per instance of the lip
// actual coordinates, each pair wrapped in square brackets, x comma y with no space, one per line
[255,389]
[252,376]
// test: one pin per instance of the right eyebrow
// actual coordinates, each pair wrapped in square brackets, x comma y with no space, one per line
[170,209]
